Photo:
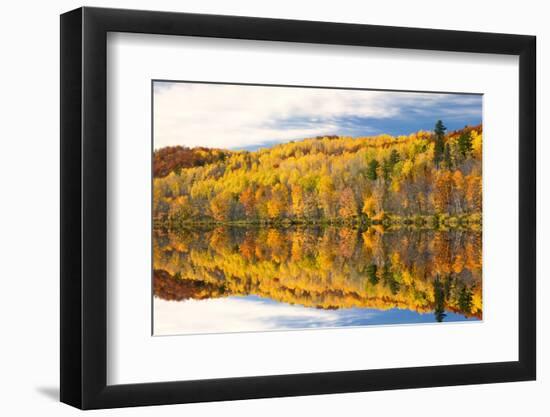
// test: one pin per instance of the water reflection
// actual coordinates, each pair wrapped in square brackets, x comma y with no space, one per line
[252,278]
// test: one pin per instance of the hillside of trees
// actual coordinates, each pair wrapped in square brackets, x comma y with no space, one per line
[176,158]
[430,179]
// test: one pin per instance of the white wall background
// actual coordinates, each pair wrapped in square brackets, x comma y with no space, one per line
[29,212]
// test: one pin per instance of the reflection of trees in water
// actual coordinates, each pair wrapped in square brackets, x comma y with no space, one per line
[328,268]
[174,288]
[439,300]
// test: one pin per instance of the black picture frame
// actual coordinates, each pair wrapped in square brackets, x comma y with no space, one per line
[84,207]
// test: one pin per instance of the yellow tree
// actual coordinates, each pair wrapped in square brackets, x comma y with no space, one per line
[369,206]
[477,142]
[248,200]
[442,192]
[260,198]
[473,192]
[347,204]
[277,205]
[297,196]
[220,206]
[180,208]
[458,182]
[327,196]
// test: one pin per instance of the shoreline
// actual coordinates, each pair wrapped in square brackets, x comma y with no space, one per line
[436,222]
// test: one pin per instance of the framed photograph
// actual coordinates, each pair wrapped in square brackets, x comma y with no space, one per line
[257,208]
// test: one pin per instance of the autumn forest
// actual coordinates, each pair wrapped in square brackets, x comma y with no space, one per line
[426,179]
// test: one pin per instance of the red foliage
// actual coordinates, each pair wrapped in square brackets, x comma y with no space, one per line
[466,129]
[172,288]
[173,158]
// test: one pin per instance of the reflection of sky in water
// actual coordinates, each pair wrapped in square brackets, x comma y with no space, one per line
[252,313]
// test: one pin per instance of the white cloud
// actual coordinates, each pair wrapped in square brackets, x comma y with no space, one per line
[229,116]
[235,314]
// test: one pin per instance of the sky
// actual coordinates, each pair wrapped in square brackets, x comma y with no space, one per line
[253,313]
[250,117]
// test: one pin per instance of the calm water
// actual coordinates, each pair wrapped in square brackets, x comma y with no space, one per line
[231,279]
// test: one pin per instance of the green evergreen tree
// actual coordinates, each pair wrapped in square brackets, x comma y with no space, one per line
[394,157]
[389,280]
[371,274]
[440,128]
[447,157]
[371,170]
[465,144]
[387,168]
[439,300]
[465,300]
[439,147]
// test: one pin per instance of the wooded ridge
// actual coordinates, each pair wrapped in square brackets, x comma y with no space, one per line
[429,179]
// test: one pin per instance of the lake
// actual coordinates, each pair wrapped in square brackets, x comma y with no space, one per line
[258,278]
